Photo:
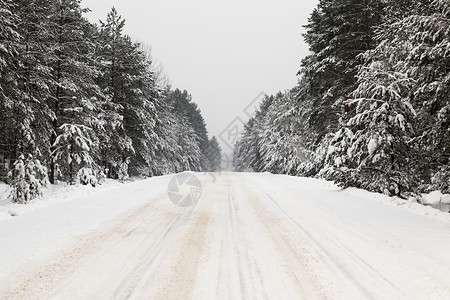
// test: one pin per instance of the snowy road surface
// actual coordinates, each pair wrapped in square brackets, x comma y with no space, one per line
[250,236]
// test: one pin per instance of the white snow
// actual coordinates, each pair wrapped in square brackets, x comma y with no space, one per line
[250,236]
[400,119]
[372,145]
[64,212]
[437,200]
[54,194]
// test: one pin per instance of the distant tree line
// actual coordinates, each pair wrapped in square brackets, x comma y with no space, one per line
[80,100]
[372,104]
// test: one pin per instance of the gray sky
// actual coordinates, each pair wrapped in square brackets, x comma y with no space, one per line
[224,53]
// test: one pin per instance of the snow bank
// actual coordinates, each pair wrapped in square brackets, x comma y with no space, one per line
[435,204]
[53,194]
[437,200]
[4,202]
[430,207]
[411,205]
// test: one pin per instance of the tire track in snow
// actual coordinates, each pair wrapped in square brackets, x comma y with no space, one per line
[249,281]
[362,253]
[153,246]
[178,283]
[368,263]
[324,254]
[293,260]
[51,278]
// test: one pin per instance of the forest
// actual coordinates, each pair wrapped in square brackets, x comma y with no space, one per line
[372,105]
[81,102]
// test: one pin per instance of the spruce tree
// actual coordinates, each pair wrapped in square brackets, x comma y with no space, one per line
[214,155]
[337,32]
[115,144]
[9,88]
[35,52]
[75,96]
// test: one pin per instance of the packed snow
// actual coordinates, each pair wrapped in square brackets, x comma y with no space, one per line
[250,236]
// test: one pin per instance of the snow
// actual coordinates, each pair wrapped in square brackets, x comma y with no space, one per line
[372,145]
[437,200]
[63,212]
[250,236]
[4,192]
[54,194]
[400,119]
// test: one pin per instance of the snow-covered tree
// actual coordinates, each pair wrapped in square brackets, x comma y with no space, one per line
[337,32]
[32,75]
[122,172]
[29,178]
[428,63]
[72,149]
[112,46]
[399,137]
[189,154]
[75,96]
[129,83]
[372,106]
[248,154]
[281,146]
[243,148]
[87,176]
[141,104]
[184,107]
[214,155]
[9,74]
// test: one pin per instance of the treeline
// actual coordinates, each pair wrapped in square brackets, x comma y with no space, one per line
[82,101]
[372,105]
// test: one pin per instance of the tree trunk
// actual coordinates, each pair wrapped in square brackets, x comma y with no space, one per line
[366,4]
[58,94]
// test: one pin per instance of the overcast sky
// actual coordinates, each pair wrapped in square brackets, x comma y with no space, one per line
[224,53]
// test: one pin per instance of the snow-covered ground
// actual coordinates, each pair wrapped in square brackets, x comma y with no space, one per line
[250,236]
[54,194]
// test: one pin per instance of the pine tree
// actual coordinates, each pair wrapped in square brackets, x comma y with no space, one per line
[75,96]
[166,148]
[187,154]
[398,138]
[185,108]
[375,147]
[28,179]
[214,155]
[115,144]
[337,32]
[9,89]
[31,116]
[140,101]
[248,154]
[72,149]
[243,149]
[428,63]
[281,147]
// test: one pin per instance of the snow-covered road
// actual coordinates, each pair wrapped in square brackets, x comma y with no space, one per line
[250,236]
